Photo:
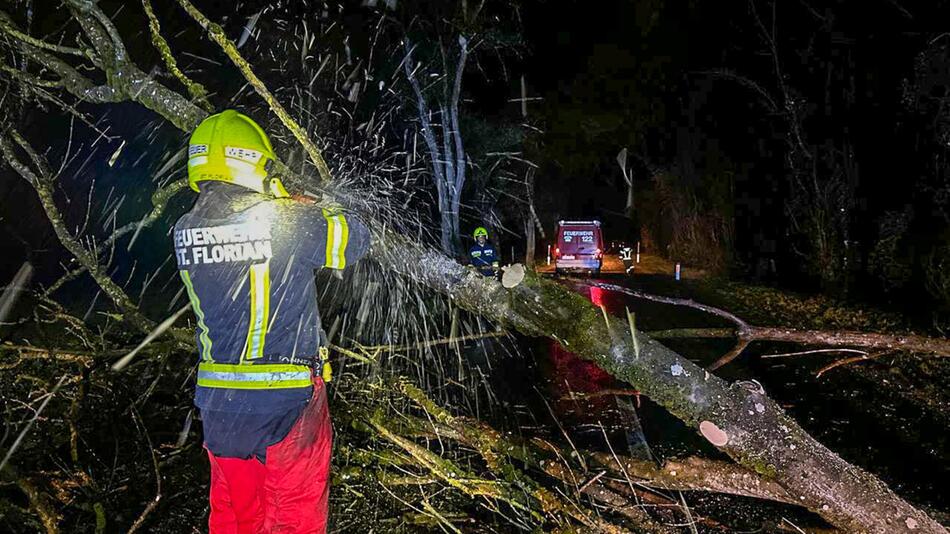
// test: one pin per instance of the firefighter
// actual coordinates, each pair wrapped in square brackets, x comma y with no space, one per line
[482,255]
[246,253]
[626,256]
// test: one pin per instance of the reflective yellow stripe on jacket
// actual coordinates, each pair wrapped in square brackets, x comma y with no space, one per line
[203,339]
[337,235]
[250,376]
[260,310]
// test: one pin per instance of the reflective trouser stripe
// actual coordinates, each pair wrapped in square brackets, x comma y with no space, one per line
[338,232]
[263,376]
[203,338]
[260,309]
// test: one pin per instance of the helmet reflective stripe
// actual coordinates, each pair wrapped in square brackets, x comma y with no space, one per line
[265,376]
[246,174]
[338,233]
[197,160]
[260,310]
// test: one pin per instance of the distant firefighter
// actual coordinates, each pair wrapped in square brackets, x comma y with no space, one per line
[482,255]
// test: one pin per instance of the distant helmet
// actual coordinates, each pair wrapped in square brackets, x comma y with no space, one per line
[230,147]
[480,231]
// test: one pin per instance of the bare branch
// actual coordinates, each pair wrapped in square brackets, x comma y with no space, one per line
[676,302]
[7,27]
[749,333]
[158,475]
[30,79]
[846,361]
[105,39]
[217,35]
[29,425]
[454,123]
[42,184]
[816,351]
[126,80]
[196,90]
[729,356]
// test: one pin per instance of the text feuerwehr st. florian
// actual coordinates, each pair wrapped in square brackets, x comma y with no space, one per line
[250,241]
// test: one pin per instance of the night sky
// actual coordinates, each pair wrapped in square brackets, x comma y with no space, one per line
[663,79]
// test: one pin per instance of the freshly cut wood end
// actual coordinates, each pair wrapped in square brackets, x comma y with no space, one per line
[512,276]
[713,433]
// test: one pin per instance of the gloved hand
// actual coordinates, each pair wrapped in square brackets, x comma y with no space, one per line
[303,199]
[325,203]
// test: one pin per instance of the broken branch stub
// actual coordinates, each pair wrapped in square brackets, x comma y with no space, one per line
[513,275]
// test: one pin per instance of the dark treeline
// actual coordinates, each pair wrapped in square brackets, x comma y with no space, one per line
[797,143]
[800,142]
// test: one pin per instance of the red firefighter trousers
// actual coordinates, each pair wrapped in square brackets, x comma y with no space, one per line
[288,494]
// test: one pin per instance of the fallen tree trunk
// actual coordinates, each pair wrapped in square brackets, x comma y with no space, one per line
[742,422]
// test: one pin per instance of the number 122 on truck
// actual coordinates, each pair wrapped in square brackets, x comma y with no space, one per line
[579,247]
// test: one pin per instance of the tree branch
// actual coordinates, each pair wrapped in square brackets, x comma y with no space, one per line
[7,26]
[125,81]
[42,184]
[217,35]
[454,121]
[749,333]
[197,91]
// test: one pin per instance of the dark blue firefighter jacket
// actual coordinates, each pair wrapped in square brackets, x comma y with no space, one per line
[483,257]
[247,262]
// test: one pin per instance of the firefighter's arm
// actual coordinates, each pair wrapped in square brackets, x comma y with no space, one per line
[347,239]
[329,238]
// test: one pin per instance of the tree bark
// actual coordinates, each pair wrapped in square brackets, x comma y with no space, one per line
[435,155]
[455,132]
[529,243]
[448,163]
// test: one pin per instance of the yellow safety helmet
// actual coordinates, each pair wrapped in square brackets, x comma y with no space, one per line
[480,231]
[230,147]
